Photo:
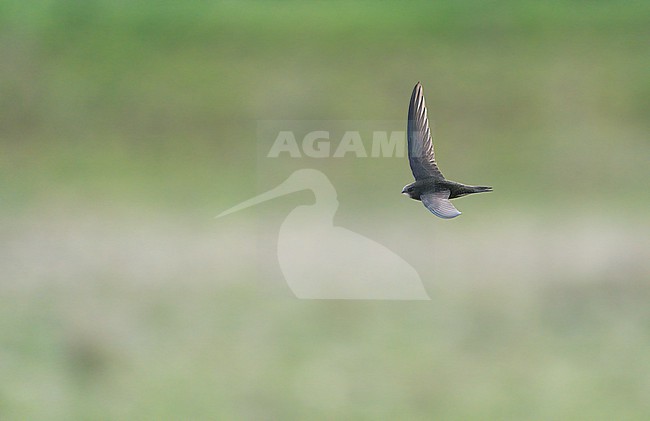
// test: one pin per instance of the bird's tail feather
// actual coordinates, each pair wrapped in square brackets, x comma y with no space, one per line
[482,189]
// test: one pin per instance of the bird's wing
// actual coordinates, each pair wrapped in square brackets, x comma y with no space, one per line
[421,156]
[438,203]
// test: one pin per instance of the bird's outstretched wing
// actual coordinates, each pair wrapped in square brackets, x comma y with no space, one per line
[421,156]
[438,203]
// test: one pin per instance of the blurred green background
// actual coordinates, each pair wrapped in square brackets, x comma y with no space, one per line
[126,126]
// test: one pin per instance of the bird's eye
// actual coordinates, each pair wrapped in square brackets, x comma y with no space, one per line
[410,189]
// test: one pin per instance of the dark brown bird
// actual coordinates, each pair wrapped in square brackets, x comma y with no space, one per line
[430,186]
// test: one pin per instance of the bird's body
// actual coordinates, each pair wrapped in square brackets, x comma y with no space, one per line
[433,184]
[430,186]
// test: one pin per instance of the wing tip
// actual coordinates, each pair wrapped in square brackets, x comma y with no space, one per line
[450,215]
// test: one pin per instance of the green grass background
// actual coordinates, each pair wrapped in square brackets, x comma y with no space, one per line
[126,126]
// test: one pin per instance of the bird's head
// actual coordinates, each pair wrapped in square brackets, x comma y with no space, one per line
[409,190]
[303,179]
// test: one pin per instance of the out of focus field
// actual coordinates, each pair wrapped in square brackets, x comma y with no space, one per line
[126,126]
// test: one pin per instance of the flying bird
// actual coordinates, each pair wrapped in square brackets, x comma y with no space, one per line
[430,186]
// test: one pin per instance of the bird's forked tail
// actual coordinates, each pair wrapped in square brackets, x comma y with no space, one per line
[482,189]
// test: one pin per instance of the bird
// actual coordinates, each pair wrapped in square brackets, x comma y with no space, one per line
[430,186]
[322,261]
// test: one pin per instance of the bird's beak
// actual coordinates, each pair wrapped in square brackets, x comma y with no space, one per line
[304,179]
[281,190]
[404,191]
